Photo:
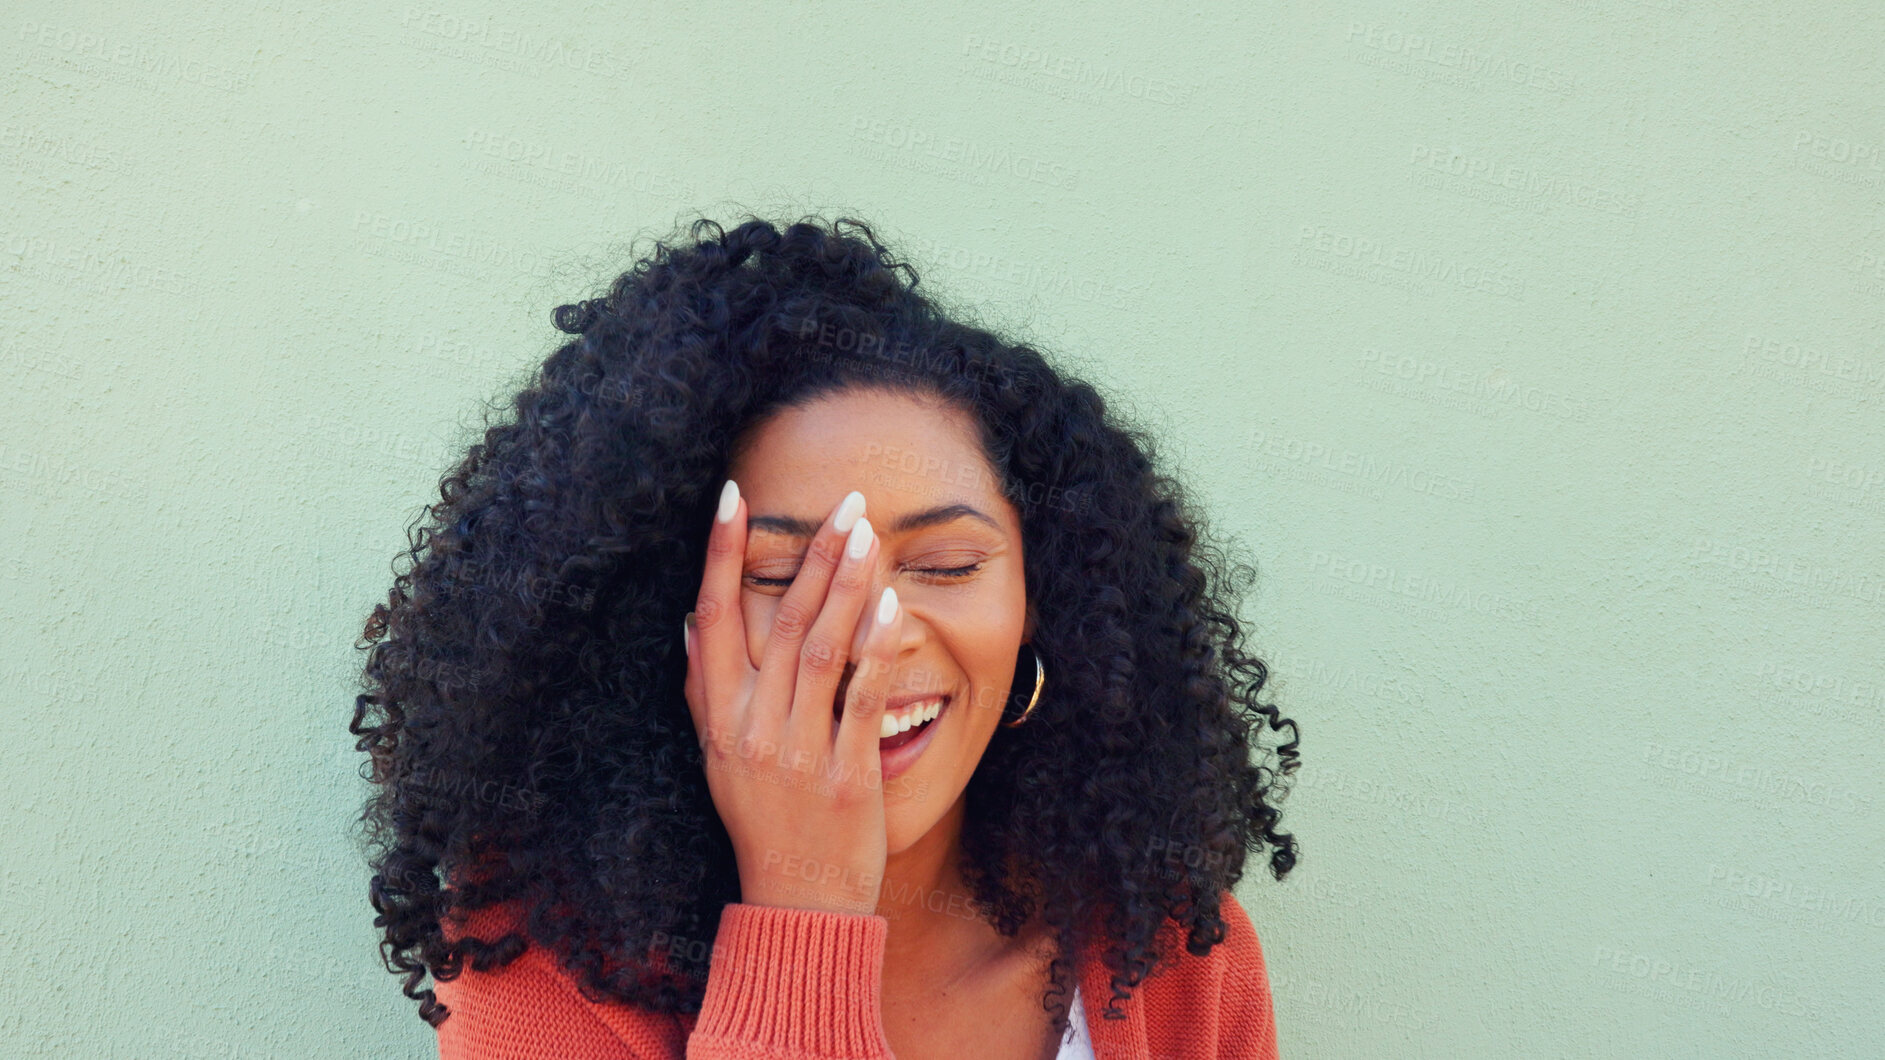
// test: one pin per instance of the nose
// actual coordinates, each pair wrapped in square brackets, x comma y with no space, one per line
[913,632]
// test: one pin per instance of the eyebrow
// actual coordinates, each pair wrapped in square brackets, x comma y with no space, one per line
[792,526]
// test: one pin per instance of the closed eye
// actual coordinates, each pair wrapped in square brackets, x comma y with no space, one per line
[935,572]
[951,572]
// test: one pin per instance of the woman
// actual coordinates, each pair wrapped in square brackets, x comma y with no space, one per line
[800,672]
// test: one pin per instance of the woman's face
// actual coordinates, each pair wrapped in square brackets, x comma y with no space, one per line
[949,542]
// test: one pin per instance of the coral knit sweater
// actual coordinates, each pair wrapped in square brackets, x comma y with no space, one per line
[797,984]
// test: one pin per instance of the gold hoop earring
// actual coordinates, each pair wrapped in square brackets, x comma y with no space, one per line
[1040,678]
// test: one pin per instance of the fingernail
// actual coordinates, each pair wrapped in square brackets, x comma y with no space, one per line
[687,632]
[860,542]
[887,606]
[848,512]
[729,501]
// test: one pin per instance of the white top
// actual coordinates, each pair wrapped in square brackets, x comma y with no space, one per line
[1078,1046]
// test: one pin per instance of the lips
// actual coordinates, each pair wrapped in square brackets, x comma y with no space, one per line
[904,722]
[906,716]
[897,754]
[891,743]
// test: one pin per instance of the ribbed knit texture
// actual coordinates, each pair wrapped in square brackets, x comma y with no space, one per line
[794,984]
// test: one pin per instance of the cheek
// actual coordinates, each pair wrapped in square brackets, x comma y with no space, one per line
[988,645]
[984,713]
[982,636]
[977,716]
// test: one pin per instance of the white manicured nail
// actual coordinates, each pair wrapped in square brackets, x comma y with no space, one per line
[729,501]
[860,542]
[848,512]
[887,606]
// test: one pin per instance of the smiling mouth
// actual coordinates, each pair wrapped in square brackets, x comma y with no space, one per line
[906,724]
[910,722]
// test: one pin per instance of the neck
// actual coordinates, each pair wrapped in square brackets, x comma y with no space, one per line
[933,926]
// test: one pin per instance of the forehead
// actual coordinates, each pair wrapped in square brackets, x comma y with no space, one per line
[901,451]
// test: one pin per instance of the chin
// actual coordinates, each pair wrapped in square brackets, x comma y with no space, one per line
[908,818]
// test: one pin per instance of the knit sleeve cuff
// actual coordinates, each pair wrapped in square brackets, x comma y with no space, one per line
[800,981]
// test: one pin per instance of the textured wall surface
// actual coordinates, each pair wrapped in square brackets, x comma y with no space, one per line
[1534,351]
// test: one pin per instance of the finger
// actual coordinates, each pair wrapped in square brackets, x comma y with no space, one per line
[828,646]
[691,687]
[798,609]
[861,726]
[719,627]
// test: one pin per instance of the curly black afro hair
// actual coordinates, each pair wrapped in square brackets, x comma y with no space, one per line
[524,714]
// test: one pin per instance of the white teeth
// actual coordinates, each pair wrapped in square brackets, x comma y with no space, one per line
[894,724]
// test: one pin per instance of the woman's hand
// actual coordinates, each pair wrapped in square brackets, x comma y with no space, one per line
[799,791]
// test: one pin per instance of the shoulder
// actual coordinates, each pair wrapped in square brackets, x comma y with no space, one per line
[533,1008]
[1222,997]
[1236,959]
[1246,1013]
[1243,953]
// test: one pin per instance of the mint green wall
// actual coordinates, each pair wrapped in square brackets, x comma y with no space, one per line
[1534,350]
